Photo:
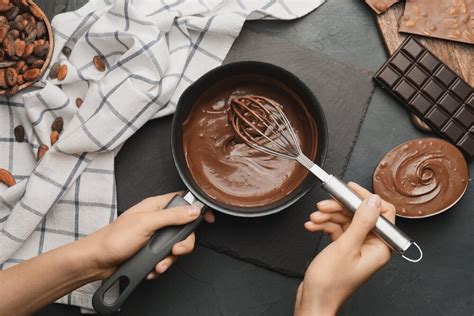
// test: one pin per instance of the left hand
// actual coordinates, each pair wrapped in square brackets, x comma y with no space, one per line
[120,240]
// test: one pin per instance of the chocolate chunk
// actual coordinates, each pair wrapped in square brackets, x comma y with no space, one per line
[429,62]
[445,75]
[401,62]
[405,90]
[451,20]
[450,103]
[465,117]
[417,76]
[467,143]
[453,131]
[432,89]
[413,49]
[442,100]
[19,132]
[420,103]
[57,125]
[389,76]
[461,88]
[437,117]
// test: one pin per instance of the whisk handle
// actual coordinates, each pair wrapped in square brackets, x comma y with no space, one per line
[384,229]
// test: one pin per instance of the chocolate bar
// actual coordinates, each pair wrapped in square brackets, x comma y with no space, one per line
[432,91]
[447,19]
[380,6]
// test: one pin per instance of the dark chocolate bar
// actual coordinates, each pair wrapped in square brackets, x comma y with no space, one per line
[428,88]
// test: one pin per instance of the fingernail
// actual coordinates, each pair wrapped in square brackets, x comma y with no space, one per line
[193,210]
[322,203]
[149,276]
[374,200]
[163,267]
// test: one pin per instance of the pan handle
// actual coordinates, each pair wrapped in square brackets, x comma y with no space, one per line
[133,271]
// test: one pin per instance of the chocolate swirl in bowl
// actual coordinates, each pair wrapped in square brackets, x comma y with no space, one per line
[422,177]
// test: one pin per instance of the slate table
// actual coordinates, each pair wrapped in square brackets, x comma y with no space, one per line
[209,283]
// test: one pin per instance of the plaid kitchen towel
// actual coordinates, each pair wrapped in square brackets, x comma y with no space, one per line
[152,50]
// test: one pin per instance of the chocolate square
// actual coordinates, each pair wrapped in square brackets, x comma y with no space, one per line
[467,143]
[404,89]
[450,103]
[465,117]
[453,131]
[389,76]
[420,103]
[437,117]
[417,76]
[461,88]
[412,48]
[429,62]
[433,89]
[401,62]
[470,101]
[445,75]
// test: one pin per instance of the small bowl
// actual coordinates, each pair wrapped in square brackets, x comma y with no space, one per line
[47,61]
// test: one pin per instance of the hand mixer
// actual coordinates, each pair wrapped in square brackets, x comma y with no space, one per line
[262,125]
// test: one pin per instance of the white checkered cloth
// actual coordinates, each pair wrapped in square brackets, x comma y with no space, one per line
[153,51]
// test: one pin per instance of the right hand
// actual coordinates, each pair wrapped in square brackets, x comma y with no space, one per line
[353,256]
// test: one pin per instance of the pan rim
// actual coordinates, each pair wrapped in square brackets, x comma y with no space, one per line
[320,158]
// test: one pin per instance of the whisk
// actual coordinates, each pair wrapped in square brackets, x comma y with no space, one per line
[261,123]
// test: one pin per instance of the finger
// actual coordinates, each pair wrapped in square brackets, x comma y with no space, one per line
[209,217]
[329,206]
[152,276]
[388,210]
[164,264]
[168,217]
[184,247]
[334,230]
[364,220]
[337,217]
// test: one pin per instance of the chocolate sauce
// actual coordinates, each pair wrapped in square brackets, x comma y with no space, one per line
[422,177]
[228,170]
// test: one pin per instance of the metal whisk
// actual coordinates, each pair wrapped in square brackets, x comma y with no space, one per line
[261,123]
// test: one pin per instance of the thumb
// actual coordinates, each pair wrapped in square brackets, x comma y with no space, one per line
[364,220]
[173,216]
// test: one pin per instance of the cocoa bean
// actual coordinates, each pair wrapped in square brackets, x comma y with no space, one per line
[62,72]
[12,13]
[67,51]
[41,29]
[7,178]
[9,47]
[11,76]
[20,47]
[5,64]
[41,50]
[42,151]
[4,31]
[58,124]
[54,137]
[53,74]
[31,37]
[19,133]
[20,80]
[79,102]
[4,8]
[37,63]
[28,50]
[3,20]
[99,63]
[32,74]
[3,82]
[13,34]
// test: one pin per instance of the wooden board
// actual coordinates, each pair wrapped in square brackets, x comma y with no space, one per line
[458,56]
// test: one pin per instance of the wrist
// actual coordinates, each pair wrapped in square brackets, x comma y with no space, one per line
[85,260]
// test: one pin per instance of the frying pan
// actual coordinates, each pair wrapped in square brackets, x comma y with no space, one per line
[133,271]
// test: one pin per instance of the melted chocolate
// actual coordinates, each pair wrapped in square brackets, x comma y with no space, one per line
[228,170]
[422,177]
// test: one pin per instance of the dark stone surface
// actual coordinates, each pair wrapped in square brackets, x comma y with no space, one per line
[208,283]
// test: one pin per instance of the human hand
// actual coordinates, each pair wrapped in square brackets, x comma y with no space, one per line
[353,256]
[130,232]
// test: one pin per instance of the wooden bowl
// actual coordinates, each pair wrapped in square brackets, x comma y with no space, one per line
[47,61]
